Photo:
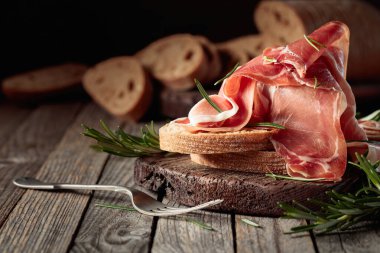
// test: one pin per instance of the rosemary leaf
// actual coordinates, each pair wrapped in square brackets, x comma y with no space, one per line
[201,224]
[373,116]
[313,42]
[251,223]
[269,124]
[126,208]
[206,96]
[294,178]
[228,74]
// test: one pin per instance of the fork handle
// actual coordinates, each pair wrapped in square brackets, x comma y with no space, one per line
[32,183]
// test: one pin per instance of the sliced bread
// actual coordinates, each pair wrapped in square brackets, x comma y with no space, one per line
[121,86]
[261,162]
[174,138]
[44,82]
[175,61]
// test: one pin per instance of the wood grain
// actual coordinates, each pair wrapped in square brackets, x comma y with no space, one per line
[191,184]
[110,230]
[353,242]
[270,237]
[177,234]
[12,117]
[28,146]
[46,221]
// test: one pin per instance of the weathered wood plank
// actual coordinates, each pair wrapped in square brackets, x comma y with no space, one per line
[27,148]
[110,230]
[11,117]
[363,241]
[46,221]
[270,237]
[178,234]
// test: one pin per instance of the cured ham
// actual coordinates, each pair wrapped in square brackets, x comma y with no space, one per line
[301,86]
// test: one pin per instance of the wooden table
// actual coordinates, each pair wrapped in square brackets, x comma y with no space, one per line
[45,142]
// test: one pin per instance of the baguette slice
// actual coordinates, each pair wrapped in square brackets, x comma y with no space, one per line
[41,83]
[174,138]
[121,86]
[260,162]
[242,49]
[175,61]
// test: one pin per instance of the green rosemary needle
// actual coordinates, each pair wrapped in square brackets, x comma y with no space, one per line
[268,124]
[206,96]
[315,44]
[316,83]
[275,176]
[228,74]
[251,223]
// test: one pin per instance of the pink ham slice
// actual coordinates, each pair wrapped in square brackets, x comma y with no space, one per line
[318,120]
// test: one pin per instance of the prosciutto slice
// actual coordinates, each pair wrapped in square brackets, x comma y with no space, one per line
[301,86]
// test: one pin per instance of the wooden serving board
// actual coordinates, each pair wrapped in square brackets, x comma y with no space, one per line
[190,184]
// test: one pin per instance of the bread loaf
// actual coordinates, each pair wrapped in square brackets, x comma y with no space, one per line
[242,49]
[290,20]
[44,82]
[174,138]
[176,60]
[260,162]
[121,86]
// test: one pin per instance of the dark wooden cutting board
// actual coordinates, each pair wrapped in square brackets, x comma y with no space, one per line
[190,184]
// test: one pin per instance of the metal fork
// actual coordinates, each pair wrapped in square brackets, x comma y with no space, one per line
[141,201]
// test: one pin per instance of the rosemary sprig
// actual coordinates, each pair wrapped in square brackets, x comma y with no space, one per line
[344,210]
[315,44]
[206,96]
[123,144]
[251,223]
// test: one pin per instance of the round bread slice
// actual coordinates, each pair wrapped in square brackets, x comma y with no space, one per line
[174,138]
[175,61]
[121,86]
[260,162]
[44,82]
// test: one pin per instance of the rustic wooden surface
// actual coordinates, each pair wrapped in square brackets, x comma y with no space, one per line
[44,141]
[189,183]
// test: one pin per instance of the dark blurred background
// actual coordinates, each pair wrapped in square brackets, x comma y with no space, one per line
[41,33]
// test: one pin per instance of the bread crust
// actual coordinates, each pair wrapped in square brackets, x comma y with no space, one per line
[121,86]
[174,138]
[175,61]
[260,162]
[44,82]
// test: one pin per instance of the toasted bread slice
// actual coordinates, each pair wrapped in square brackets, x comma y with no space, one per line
[175,61]
[174,138]
[43,82]
[260,162]
[121,86]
